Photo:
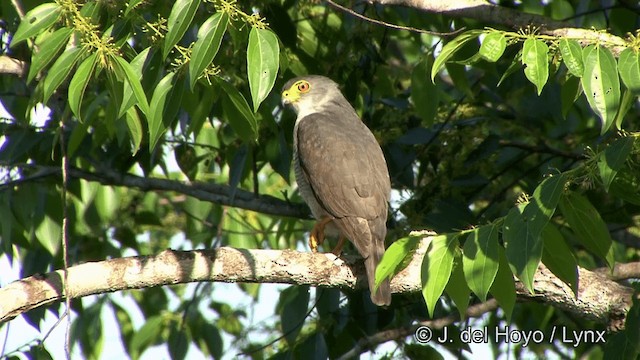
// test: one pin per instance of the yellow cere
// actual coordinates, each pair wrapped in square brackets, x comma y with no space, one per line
[293,93]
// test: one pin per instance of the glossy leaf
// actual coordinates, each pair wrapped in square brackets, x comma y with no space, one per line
[394,256]
[59,72]
[629,69]
[178,342]
[263,54]
[79,83]
[557,256]
[547,195]
[35,21]
[182,14]
[515,65]
[134,81]
[586,223]
[523,243]
[147,335]
[493,46]
[480,259]
[424,93]
[207,45]
[536,62]
[503,287]
[601,84]
[47,51]
[134,125]
[627,101]
[436,268]
[157,125]
[569,93]
[449,49]
[239,115]
[572,56]
[613,158]
[137,65]
[457,288]
[292,307]
[49,234]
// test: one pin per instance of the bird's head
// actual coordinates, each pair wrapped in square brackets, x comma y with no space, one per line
[309,94]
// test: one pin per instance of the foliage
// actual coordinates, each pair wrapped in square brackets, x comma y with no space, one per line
[518,148]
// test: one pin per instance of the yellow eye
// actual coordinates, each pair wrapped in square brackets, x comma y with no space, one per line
[303,86]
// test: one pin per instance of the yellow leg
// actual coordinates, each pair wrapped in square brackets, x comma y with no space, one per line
[316,238]
[338,249]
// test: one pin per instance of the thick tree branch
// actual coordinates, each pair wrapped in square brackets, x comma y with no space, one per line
[486,12]
[9,65]
[599,298]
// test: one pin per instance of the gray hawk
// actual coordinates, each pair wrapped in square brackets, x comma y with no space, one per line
[341,172]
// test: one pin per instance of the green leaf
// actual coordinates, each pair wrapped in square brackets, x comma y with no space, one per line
[457,288]
[78,134]
[49,234]
[137,65]
[480,261]
[157,125]
[523,227]
[147,335]
[569,93]
[79,83]
[557,256]
[134,82]
[493,46]
[237,168]
[292,307]
[132,5]
[628,99]
[134,125]
[49,47]
[238,114]
[503,287]
[547,195]
[601,84]
[207,45]
[263,54]
[586,223]
[626,186]
[436,268]
[515,65]
[521,234]
[572,56]
[59,71]
[625,345]
[38,19]
[451,48]
[535,60]
[182,14]
[212,339]
[611,160]
[394,256]
[629,68]
[178,342]
[424,93]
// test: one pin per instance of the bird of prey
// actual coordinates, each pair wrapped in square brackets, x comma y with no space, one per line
[341,172]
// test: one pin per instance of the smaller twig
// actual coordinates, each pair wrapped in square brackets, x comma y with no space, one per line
[436,324]
[65,235]
[18,7]
[389,25]
[543,148]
